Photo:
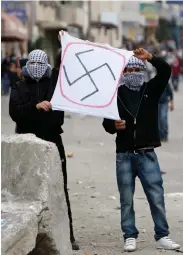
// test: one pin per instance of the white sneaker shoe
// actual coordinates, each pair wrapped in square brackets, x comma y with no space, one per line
[130,244]
[167,244]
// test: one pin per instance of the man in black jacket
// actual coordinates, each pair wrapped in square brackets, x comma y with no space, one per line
[137,136]
[30,109]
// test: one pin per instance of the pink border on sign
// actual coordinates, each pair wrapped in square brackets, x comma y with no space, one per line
[91,106]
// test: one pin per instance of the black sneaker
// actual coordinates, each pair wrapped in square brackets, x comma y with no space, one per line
[164,139]
[75,246]
[162,172]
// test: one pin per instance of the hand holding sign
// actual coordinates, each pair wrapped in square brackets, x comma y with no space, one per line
[61,33]
[142,54]
[45,105]
[120,124]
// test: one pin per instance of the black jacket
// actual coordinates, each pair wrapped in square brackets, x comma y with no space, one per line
[25,94]
[141,130]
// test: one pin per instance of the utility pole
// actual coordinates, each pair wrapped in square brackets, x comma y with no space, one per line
[88,35]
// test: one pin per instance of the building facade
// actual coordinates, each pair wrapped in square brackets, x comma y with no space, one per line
[104,22]
[99,21]
[14,25]
[53,16]
[132,21]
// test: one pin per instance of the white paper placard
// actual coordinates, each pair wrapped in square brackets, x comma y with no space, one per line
[89,77]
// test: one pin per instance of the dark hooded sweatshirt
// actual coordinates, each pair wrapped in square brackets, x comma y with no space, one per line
[142,118]
[24,97]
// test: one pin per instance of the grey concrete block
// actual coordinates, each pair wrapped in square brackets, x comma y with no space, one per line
[31,173]
[19,232]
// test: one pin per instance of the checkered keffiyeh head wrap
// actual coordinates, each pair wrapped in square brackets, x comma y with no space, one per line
[135,80]
[37,64]
[135,63]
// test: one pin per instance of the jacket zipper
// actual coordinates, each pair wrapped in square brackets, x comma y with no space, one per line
[135,129]
[38,92]
[134,117]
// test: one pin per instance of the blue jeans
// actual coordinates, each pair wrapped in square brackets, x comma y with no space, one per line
[163,120]
[128,166]
[5,84]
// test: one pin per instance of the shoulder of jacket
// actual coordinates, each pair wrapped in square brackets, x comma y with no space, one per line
[55,71]
[19,84]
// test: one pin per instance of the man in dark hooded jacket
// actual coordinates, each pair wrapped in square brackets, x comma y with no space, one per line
[137,136]
[30,109]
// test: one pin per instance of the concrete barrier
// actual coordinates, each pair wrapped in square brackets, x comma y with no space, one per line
[34,211]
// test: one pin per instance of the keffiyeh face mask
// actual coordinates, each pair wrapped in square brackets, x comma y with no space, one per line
[134,80]
[37,64]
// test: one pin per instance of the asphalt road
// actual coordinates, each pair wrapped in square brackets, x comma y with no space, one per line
[93,190]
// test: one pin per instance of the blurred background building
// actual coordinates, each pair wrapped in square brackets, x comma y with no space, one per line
[27,25]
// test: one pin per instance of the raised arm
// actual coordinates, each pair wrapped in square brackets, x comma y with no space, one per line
[160,81]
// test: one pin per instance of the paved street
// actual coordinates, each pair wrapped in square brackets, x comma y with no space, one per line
[93,190]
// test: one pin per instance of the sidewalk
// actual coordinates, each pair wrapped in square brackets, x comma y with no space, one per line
[93,189]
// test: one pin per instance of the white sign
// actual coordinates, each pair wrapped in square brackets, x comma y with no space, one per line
[89,77]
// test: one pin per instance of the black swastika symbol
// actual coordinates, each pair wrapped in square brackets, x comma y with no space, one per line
[87,73]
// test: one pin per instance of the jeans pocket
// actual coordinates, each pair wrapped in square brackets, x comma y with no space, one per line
[152,156]
[123,169]
[122,156]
